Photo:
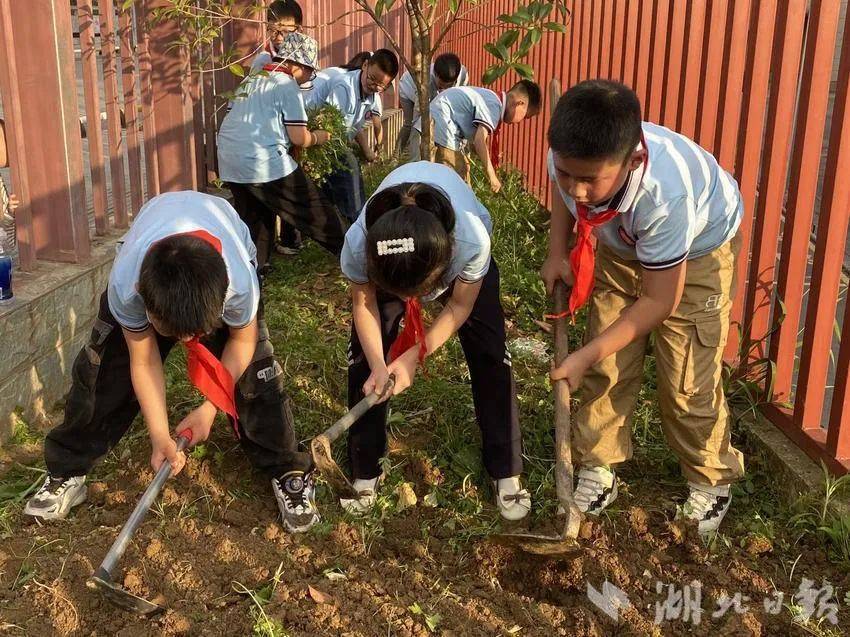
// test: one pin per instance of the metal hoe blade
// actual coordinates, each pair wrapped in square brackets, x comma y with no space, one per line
[101,582]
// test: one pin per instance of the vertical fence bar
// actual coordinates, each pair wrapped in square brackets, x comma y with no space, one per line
[630,49]
[575,43]
[675,60]
[833,218]
[108,46]
[620,8]
[607,31]
[734,64]
[692,69]
[658,64]
[45,122]
[787,51]
[15,139]
[808,142]
[88,51]
[584,52]
[148,121]
[595,38]
[643,52]
[751,129]
[131,109]
[713,77]
[210,158]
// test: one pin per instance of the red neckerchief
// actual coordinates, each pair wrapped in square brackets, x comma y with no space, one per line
[413,332]
[583,255]
[495,145]
[206,372]
[275,67]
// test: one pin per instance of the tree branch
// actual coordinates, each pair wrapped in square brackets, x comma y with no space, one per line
[366,8]
[451,20]
[334,21]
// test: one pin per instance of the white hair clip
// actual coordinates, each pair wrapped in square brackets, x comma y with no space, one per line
[395,246]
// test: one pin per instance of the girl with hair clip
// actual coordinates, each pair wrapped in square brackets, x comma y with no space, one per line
[424,235]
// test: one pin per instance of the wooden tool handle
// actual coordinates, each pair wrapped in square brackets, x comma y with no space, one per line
[563,451]
[343,424]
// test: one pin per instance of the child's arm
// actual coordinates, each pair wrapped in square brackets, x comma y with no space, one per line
[662,291]
[378,127]
[149,385]
[238,353]
[479,143]
[454,315]
[303,138]
[557,265]
[367,322]
[362,138]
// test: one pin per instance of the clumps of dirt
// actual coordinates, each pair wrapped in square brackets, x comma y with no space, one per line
[756,544]
[114,498]
[97,493]
[421,471]
[133,582]
[639,520]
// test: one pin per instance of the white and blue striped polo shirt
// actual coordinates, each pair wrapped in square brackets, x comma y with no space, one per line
[471,236]
[174,213]
[407,87]
[356,106]
[457,112]
[252,143]
[684,207]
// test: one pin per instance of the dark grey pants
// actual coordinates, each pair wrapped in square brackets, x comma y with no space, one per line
[482,338]
[101,405]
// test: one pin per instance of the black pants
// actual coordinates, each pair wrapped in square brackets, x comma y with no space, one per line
[101,404]
[298,202]
[345,188]
[493,388]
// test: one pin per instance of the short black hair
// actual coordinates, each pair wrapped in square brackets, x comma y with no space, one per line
[356,62]
[419,212]
[386,60]
[596,119]
[280,9]
[531,92]
[183,283]
[447,67]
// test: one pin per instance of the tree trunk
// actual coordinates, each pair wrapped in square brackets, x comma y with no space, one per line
[421,73]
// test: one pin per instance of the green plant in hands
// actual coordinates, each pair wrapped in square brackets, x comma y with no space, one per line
[321,160]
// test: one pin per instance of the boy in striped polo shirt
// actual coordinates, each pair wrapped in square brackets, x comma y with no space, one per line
[476,114]
[666,218]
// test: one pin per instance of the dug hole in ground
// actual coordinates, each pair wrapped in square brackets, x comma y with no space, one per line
[213,551]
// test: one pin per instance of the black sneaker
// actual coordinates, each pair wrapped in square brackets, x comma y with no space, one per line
[295,492]
[56,497]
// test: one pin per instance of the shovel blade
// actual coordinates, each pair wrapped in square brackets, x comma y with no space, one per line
[549,545]
[320,449]
[113,593]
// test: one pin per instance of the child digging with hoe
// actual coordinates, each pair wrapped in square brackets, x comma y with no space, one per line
[666,218]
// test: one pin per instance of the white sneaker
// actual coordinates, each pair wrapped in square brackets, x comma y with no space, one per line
[367,491]
[56,497]
[295,493]
[513,501]
[707,506]
[596,489]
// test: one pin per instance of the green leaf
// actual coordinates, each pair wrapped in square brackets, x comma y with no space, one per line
[556,26]
[510,20]
[493,50]
[127,4]
[493,73]
[379,8]
[529,40]
[432,621]
[453,6]
[562,9]
[523,14]
[508,38]
[525,71]
[236,69]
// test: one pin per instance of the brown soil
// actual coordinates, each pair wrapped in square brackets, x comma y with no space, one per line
[219,535]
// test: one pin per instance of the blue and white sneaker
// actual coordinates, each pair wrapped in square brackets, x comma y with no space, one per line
[707,506]
[56,497]
[295,493]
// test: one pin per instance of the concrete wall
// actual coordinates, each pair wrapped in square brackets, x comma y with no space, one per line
[42,330]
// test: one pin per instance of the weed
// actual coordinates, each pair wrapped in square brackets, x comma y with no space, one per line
[432,620]
[264,626]
[825,518]
[17,484]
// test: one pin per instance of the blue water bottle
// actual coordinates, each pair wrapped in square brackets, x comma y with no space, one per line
[5,273]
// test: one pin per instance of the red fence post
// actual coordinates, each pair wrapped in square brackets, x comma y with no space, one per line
[45,129]
[131,108]
[172,104]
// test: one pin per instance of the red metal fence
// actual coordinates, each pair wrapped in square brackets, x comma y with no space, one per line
[764,86]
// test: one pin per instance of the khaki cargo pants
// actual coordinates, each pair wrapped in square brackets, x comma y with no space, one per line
[688,353]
